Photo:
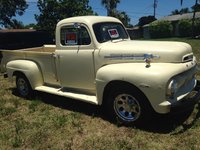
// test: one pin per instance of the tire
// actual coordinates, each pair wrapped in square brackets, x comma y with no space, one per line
[23,86]
[127,105]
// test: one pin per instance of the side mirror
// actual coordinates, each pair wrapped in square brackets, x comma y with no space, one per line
[77,25]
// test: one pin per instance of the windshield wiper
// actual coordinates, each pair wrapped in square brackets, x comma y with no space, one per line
[117,40]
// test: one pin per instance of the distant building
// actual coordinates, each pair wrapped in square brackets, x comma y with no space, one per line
[146,33]
[174,19]
[135,32]
[23,38]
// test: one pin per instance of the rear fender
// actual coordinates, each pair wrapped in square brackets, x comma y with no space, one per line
[29,68]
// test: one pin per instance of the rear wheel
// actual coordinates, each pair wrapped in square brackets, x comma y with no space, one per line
[23,86]
[127,105]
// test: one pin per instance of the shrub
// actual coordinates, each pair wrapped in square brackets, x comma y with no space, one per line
[185,28]
[160,29]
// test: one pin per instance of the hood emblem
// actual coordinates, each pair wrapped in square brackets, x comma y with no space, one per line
[148,62]
[148,58]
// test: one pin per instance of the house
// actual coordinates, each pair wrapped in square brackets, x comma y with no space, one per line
[135,32]
[174,19]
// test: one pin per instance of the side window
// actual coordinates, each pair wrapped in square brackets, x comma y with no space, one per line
[74,36]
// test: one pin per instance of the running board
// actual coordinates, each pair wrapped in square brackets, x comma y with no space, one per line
[58,91]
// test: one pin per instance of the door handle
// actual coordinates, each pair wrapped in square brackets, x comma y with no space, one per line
[55,56]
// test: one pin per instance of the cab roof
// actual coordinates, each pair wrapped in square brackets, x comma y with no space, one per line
[88,20]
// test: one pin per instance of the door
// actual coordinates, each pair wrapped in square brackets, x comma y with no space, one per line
[75,58]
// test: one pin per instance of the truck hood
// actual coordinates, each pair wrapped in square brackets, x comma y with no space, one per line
[158,51]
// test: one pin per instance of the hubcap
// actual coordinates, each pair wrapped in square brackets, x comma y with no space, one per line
[127,107]
[22,87]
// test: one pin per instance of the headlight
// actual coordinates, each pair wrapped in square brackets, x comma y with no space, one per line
[172,88]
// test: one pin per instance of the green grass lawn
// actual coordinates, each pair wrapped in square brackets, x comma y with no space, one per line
[53,122]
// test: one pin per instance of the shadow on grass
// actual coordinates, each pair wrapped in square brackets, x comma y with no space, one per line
[170,122]
[157,124]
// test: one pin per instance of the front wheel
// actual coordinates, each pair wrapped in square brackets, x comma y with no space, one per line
[23,86]
[128,106]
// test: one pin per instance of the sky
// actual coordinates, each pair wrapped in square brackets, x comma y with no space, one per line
[134,8]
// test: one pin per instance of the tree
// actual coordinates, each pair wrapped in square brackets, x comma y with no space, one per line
[175,12]
[111,6]
[146,20]
[31,26]
[10,8]
[185,27]
[52,11]
[182,11]
[124,18]
[195,8]
[160,29]
[15,24]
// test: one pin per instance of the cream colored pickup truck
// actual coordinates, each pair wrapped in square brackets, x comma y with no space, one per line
[95,61]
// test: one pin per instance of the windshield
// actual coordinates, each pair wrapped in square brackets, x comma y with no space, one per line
[107,31]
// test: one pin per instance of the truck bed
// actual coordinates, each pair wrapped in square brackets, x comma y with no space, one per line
[43,56]
[43,49]
[22,52]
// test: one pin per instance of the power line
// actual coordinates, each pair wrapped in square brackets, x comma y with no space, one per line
[32,2]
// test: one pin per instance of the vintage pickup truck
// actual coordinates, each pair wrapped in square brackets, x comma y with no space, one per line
[95,61]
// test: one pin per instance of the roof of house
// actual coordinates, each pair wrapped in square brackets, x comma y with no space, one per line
[16,30]
[180,17]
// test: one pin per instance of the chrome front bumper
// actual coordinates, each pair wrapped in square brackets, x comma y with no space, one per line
[188,102]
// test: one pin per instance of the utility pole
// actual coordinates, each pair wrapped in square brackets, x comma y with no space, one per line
[154,7]
[193,19]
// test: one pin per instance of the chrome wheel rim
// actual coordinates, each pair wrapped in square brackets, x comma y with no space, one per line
[22,87]
[127,107]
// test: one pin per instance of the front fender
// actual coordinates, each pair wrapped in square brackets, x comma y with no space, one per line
[152,81]
[145,79]
[29,68]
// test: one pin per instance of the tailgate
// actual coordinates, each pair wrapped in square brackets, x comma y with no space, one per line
[8,55]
